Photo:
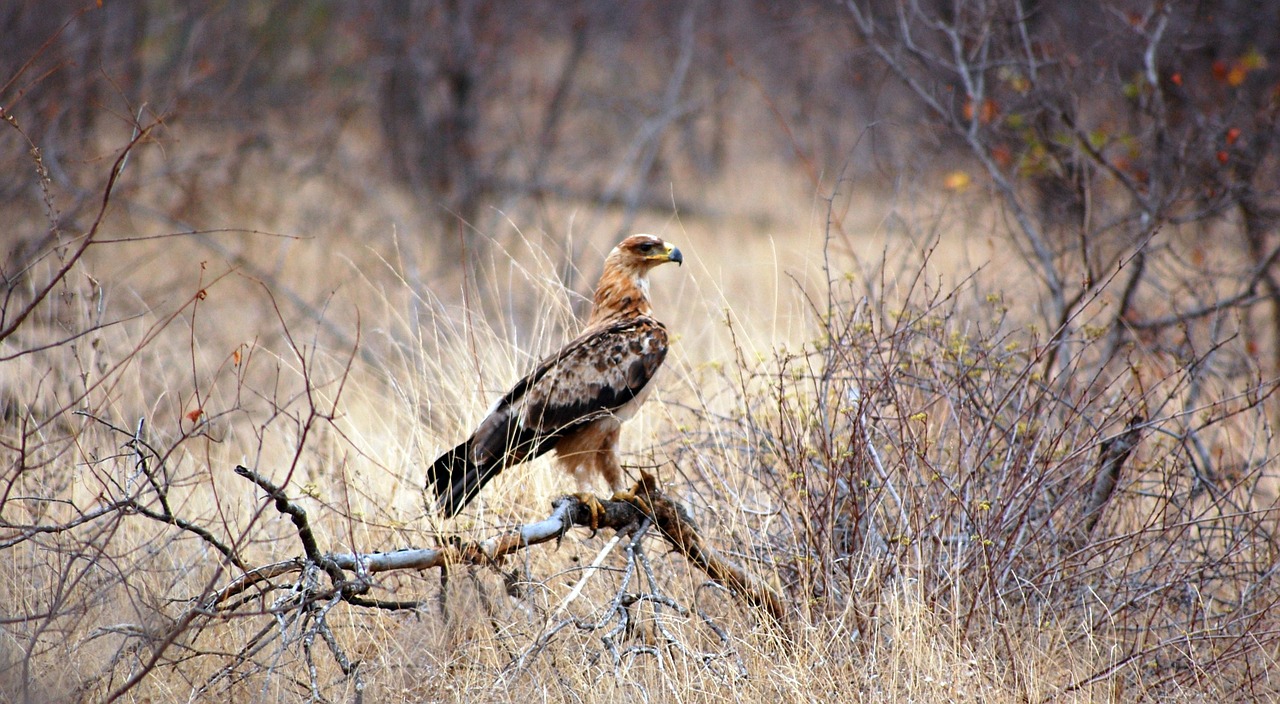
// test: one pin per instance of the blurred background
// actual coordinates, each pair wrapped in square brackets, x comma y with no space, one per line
[454,122]
[457,127]
[444,131]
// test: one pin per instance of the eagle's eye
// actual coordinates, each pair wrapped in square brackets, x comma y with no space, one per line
[647,247]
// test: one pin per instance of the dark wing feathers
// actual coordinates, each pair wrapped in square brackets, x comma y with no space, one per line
[455,479]
[597,373]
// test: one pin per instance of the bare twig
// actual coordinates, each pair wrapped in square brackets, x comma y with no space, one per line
[299,517]
[87,239]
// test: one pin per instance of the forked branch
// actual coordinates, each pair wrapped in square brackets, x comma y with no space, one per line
[622,513]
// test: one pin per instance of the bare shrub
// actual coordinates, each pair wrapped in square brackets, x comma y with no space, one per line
[924,443]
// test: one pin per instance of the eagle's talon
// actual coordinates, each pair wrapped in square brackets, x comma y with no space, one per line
[594,507]
[630,496]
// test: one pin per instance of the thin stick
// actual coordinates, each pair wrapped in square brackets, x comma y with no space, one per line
[586,575]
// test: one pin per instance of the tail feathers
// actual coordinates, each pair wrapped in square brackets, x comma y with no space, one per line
[455,480]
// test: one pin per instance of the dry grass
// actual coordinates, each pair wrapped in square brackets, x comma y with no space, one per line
[862,415]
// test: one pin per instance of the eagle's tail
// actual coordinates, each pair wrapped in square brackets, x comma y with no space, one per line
[455,479]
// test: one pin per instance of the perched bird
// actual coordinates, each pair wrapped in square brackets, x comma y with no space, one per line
[575,400]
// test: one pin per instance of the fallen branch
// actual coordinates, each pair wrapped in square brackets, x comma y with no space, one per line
[623,513]
[679,530]
[301,601]
[299,518]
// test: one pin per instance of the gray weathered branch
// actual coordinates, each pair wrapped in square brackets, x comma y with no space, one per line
[624,512]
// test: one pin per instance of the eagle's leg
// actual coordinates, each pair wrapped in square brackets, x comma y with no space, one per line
[611,469]
[590,453]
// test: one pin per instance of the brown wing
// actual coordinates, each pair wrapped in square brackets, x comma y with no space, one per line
[601,372]
[597,373]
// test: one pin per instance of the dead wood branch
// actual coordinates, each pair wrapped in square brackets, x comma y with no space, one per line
[299,518]
[623,513]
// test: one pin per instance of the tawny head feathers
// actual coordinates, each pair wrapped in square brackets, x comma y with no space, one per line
[623,291]
[640,253]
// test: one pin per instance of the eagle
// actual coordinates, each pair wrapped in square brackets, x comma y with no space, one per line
[574,401]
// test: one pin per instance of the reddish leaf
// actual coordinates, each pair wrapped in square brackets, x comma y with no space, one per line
[989,111]
[986,113]
[1220,70]
[1002,155]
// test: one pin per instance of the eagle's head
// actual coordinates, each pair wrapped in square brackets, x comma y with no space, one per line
[623,291]
[640,253]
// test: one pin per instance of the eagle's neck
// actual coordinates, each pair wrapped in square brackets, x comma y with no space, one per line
[622,293]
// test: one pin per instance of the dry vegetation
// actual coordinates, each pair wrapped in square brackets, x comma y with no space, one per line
[979,449]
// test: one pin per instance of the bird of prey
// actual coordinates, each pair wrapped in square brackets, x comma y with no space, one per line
[575,400]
